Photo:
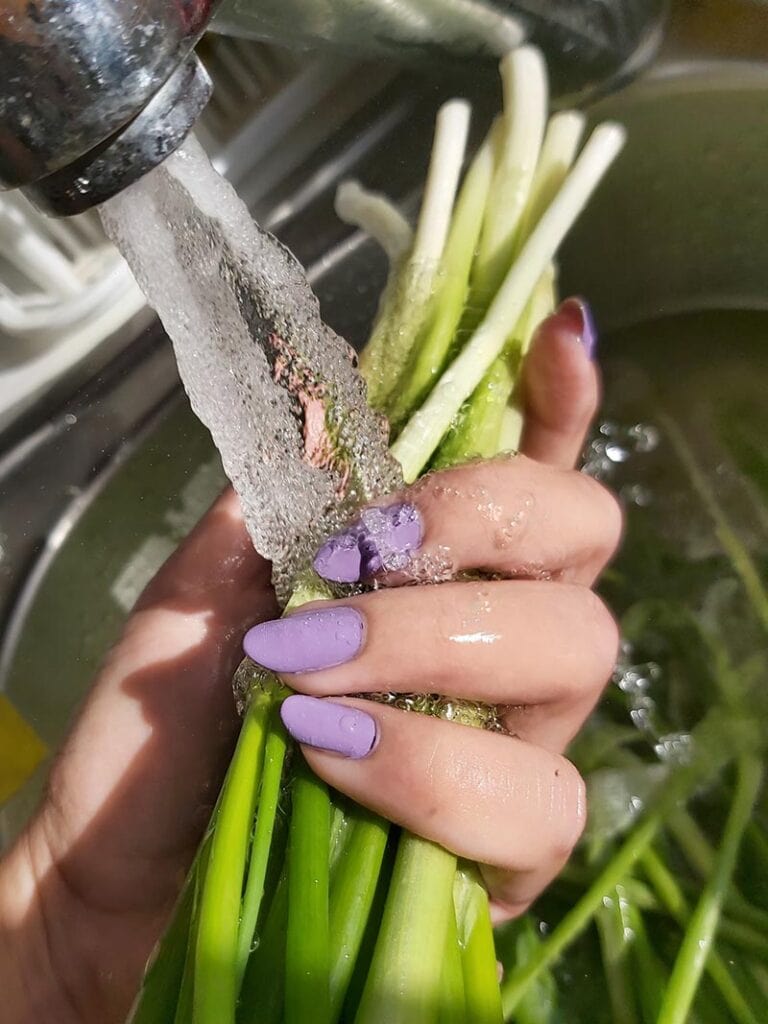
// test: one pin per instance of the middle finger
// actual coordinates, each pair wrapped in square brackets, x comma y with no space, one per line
[508,642]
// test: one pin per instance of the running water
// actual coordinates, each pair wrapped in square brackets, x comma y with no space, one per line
[277,389]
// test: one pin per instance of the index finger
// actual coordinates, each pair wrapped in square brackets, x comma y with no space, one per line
[509,516]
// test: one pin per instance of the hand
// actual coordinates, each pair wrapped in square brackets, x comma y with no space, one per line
[90,884]
[536,642]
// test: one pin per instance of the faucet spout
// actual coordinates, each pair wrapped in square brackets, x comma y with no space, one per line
[95,92]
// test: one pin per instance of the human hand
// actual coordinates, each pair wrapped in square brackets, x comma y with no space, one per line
[89,886]
[534,640]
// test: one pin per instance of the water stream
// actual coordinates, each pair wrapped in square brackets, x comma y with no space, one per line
[276,387]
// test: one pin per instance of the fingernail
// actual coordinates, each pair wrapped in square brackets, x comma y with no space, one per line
[328,726]
[381,539]
[307,641]
[579,316]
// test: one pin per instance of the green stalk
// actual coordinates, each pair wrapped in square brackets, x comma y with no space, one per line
[736,551]
[216,976]
[481,984]
[453,1008]
[426,428]
[443,317]
[274,759]
[539,1003]
[157,998]
[701,857]
[579,916]
[672,897]
[746,936]
[352,892]
[614,932]
[307,973]
[185,1005]
[694,844]
[701,930]
[650,974]
[263,989]
[479,427]
[407,959]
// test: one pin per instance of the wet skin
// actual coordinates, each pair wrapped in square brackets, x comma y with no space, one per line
[89,886]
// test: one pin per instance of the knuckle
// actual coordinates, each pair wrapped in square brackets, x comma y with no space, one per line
[569,802]
[609,518]
[604,638]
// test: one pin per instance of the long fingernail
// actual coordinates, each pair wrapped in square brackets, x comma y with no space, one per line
[328,726]
[382,539]
[579,316]
[307,641]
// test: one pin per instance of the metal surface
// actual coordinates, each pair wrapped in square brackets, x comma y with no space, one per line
[150,137]
[590,44]
[77,71]
[93,92]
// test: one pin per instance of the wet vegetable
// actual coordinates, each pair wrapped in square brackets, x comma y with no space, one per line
[302,906]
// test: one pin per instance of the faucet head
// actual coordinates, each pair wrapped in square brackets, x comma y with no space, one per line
[129,153]
[82,81]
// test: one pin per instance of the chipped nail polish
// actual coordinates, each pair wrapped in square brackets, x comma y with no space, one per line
[382,539]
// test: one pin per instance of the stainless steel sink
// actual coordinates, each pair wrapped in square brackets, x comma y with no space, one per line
[97,487]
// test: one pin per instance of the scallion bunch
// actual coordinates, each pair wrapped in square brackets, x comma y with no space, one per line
[300,906]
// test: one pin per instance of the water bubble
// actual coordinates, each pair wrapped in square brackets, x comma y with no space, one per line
[636,494]
[616,452]
[675,748]
[273,384]
[436,566]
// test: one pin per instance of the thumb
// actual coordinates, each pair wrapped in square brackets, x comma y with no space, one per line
[130,792]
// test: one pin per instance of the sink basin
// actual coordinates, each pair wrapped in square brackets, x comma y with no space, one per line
[115,479]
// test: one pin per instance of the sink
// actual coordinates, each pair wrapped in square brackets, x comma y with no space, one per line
[98,487]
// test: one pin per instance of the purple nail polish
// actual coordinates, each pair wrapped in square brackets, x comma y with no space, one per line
[328,726]
[339,559]
[579,315]
[307,641]
[382,539]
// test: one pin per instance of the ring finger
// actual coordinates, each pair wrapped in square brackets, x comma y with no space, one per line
[500,801]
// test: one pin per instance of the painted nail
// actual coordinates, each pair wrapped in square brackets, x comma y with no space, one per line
[382,539]
[579,316]
[328,726]
[307,641]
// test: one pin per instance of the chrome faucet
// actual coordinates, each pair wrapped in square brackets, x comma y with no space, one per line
[94,93]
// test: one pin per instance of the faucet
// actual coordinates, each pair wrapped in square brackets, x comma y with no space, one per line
[94,93]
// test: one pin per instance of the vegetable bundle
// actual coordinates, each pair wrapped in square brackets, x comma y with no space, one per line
[301,906]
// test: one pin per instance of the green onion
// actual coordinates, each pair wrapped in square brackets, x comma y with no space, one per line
[307,955]
[216,975]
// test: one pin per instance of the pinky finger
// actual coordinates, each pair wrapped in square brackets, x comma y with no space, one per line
[560,386]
